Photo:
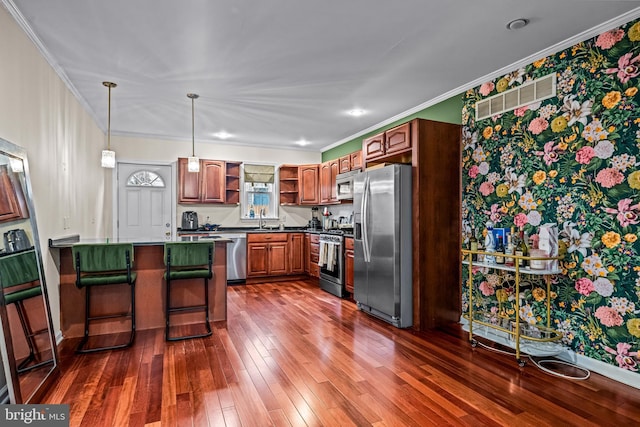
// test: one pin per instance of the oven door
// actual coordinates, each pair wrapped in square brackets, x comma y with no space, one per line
[336,274]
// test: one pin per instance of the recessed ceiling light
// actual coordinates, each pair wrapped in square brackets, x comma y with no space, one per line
[357,112]
[516,24]
[302,142]
[222,135]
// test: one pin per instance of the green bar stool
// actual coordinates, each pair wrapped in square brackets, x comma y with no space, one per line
[188,260]
[102,265]
[20,280]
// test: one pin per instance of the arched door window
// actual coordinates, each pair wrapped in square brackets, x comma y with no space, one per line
[145,179]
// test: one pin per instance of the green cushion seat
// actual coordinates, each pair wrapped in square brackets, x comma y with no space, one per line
[105,279]
[22,294]
[189,274]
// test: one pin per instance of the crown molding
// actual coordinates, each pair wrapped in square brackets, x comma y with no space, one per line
[580,37]
[24,25]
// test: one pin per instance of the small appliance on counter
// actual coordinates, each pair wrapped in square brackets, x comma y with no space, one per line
[189,220]
[315,224]
[16,240]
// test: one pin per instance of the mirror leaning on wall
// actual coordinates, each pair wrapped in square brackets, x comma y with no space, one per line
[27,341]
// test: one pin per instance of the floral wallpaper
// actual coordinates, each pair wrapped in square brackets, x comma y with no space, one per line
[572,160]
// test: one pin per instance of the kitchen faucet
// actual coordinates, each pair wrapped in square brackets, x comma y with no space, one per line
[261,222]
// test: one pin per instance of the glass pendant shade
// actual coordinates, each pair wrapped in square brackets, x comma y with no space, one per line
[108,159]
[193,164]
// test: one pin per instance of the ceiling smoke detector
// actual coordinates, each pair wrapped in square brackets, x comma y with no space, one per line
[516,24]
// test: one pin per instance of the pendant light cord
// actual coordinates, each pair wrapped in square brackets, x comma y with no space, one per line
[193,97]
[109,85]
[193,127]
[109,122]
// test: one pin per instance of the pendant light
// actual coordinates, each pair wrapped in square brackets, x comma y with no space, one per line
[108,156]
[193,164]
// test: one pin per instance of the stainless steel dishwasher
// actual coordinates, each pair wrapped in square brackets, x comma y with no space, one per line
[236,257]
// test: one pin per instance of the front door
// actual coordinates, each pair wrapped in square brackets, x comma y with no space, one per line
[144,202]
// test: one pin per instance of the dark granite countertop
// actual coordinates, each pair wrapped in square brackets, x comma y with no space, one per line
[68,241]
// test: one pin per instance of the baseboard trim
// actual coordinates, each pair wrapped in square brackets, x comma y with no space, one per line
[623,376]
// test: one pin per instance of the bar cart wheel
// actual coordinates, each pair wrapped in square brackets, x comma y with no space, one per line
[522,362]
[474,343]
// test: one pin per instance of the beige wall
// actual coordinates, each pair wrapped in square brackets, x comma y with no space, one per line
[38,113]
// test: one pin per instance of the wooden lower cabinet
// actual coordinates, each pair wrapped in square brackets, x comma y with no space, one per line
[296,253]
[314,255]
[348,264]
[267,254]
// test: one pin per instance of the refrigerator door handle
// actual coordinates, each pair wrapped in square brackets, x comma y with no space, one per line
[365,220]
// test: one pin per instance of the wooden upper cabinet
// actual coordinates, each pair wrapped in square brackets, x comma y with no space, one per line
[309,184]
[355,159]
[188,183]
[213,181]
[289,185]
[232,183]
[373,147]
[12,203]
[335,169]
[328,173]
[344,163]
[217,182]
[390,143]
[398,139]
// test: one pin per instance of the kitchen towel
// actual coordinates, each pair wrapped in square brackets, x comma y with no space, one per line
[322,256]
[331,256]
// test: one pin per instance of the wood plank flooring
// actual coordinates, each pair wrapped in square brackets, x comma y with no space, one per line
[293,355]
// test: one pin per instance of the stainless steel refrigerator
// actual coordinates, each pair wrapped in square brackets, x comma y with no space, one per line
[382,270]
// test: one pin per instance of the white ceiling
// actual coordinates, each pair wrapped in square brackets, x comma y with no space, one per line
[273,72]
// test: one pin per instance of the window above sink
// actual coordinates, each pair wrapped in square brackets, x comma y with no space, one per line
[259,192]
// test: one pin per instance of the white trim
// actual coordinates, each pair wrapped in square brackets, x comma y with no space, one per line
[610,371]
[580,37]
[22,23]
[623,376]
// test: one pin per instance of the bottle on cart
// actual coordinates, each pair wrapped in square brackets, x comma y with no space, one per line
[509,249]
[489,244]
[500,251]
[473,244]
[522,249]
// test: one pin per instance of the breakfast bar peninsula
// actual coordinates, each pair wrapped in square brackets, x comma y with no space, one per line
[150,290]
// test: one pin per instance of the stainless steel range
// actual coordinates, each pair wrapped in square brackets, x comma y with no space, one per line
[331,261]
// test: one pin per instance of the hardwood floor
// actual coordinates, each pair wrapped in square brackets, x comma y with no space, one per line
[291,354]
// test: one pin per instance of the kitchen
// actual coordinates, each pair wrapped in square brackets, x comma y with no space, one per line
[83,202]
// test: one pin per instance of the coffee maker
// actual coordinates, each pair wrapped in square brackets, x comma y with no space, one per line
[189,220]
[315,223]
[16,240]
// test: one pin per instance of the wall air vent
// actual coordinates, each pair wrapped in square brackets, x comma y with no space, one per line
[527,93]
